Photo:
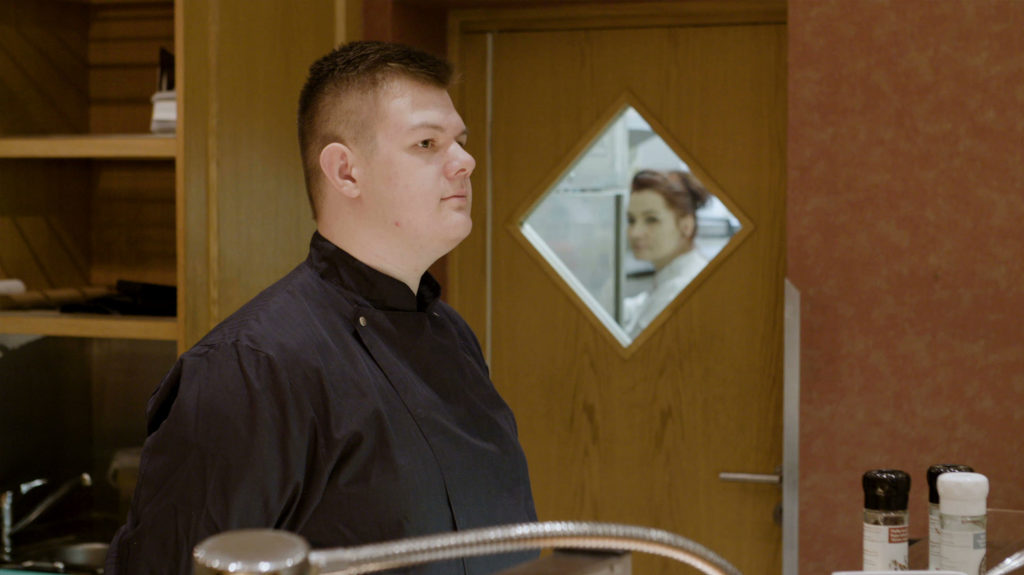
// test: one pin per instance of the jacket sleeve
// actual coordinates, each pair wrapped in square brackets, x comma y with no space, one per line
[226,450]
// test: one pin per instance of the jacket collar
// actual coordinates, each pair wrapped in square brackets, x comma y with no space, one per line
[379,290]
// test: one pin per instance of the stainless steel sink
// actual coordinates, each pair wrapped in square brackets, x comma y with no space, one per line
[64,557]
[76,555]
[77,543]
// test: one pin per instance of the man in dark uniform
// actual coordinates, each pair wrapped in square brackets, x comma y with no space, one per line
[346,403]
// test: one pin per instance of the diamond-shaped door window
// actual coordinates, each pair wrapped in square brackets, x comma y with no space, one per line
[628,226]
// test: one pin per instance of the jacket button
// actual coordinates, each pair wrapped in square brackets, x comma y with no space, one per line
[362,321]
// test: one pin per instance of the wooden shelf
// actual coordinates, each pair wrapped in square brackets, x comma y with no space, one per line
[117,2]
[139,146]
[89,325]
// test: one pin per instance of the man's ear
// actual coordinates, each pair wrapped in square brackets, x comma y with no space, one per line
[337,162]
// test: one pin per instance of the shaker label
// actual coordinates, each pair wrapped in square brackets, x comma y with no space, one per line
[934,539]
[964,539]
[963,551]
[885,548]
[898,534]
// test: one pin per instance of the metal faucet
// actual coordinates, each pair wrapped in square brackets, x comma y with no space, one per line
[276,552]
[1008,565]
[9,528]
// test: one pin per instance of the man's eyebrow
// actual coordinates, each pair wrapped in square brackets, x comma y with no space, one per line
[427,126]
[437,128]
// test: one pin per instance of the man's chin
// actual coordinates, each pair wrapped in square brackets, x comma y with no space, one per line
[464,232]
[457,235]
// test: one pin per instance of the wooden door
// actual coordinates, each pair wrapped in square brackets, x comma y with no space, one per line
[634,435]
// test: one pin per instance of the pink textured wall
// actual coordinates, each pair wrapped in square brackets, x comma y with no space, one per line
[905,217]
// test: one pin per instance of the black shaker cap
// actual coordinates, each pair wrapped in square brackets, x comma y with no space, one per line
[886,489]
[933,477]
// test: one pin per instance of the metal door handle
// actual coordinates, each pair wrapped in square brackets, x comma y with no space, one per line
[765,478]
[769,478]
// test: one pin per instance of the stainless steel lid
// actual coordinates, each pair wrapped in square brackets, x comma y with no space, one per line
[245,551]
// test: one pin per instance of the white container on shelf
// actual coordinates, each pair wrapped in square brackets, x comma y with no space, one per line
[963,514]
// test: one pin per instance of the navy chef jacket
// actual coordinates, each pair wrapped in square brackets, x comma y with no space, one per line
[337,405]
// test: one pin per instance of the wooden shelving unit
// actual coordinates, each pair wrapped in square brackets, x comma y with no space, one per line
[88,325]
[92,146]
[87,194]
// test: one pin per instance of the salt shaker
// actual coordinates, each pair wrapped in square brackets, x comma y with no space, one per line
[962,502]
[934,526]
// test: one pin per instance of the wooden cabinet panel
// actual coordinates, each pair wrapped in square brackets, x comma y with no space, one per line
[43,87]
[247,220]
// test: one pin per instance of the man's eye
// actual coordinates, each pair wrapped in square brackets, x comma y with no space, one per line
[426,144]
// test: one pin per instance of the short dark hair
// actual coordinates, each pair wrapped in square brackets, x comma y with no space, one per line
[338,84]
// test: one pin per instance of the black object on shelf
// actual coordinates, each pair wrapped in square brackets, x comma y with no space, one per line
[165,79]
[131,298]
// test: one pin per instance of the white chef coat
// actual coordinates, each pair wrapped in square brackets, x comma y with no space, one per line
[641,309]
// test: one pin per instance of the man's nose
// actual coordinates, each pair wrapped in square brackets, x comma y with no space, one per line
[461,164]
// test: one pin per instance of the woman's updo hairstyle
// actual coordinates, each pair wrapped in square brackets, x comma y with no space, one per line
[683,193]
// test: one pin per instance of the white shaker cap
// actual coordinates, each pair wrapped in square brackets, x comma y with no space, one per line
[962,493]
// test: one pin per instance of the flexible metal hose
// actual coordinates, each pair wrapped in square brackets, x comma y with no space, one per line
[506,538]
[1010,564]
